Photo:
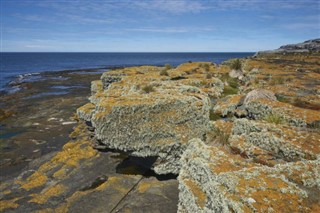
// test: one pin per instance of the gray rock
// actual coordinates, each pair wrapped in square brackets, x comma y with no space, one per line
[259,94]
[312,45]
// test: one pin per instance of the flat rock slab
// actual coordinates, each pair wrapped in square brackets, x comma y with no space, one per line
[81,179]
[142,198]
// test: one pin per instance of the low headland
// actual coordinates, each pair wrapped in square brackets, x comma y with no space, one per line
[242,136]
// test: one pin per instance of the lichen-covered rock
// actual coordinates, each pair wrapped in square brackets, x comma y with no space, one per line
[146,114]
[259,94]
[213,180]
[227,105]
[258,140]
[236,74]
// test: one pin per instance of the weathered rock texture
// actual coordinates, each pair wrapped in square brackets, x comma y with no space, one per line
[139,111]
[238,146]
[213,180]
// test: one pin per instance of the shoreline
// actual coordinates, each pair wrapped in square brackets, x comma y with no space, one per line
[37,119]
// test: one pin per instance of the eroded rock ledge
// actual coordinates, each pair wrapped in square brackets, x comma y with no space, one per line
[144,113]
[249,144]
[244,152]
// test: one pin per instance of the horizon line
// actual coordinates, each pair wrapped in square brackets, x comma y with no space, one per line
[126,52]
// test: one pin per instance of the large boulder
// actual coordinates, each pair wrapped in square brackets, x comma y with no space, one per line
[259,94]
[145,116]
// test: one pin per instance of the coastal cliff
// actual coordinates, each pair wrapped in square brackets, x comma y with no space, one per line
[243,136]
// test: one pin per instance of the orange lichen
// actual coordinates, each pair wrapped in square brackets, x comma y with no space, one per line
[201,197]
[143,187]
[45,195]
[35,180]
[9,204]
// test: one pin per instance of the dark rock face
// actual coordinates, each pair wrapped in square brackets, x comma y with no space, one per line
[312,45]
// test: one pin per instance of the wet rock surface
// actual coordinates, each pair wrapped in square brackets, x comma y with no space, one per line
[38,118]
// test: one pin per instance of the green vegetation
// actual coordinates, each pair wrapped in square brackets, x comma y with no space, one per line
[148,89]
[221,136]
[168,66]
[282,98]
[164,73]
[315,125]
[208,75]
[236,64]
[206,67]
[274,118]
[213,116]
[232,85]
[232,82]
[229,91]
[298,102]
[277,80]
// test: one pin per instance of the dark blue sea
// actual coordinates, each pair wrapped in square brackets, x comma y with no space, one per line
[15,64]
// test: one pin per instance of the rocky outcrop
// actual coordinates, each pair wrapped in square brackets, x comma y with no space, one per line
[250,149]
[304,47]
[259,94]
[144,114]
[213,180]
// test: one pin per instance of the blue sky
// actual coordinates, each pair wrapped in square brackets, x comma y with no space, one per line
[156,25]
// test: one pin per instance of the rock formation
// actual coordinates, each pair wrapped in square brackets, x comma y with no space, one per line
[140,112]
[305,47]
[237,146]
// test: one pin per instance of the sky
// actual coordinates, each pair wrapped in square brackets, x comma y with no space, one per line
[156,25]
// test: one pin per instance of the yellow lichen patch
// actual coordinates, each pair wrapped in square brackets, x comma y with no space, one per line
[142,187]
[60,174]
[6,192]
[9,204]
[87,108]
[79,131]
[71,154]
[115,183]
[46,194]
[35,180]
[197,192]
[47,210]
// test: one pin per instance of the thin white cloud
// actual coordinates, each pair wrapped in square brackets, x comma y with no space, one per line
[173,6]
[302,26]
[171,29]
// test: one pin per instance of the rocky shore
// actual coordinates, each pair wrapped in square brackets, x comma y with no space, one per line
[243,136]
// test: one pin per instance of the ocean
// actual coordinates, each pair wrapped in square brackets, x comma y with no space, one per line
[15,64]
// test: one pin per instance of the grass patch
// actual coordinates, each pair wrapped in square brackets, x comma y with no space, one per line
[213,116]
[164,73]
[277,80]
[206,67]
[221,136]
[148,89]
[208,76]
[229,91]
[232,82]
[315,125]
[236,64]
[282,98]
[274,118]
[167,66]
